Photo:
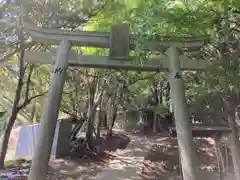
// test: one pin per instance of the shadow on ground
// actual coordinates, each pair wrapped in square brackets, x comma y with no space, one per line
[83,169]
[79,169]
[135,157]
[149,157]
[116,141]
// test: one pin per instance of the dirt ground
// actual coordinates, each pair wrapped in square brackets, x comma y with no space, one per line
[147,158]
[134,157]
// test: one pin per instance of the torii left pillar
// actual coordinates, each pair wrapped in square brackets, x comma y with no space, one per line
[42,151]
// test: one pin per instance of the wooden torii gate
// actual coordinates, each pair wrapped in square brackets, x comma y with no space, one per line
[120,42]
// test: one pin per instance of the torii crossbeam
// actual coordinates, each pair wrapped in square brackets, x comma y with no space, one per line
[113,41]
[120,42]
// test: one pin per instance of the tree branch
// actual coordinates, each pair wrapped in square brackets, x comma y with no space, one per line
[28,82]
[73,115]
[28,100]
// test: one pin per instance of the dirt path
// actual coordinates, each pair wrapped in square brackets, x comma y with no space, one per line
[128,162]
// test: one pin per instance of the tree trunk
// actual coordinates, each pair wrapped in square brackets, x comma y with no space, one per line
[155,122]
[89,133]
[114,117]
[167,93]
[6,136]
[33,113]
[98,127]
[16,106]
[226,158]
[11,121]
[15,110]
[219,157]
[157,101]
[114,105]
[109,116]
[91,116]
[100,119]
[102,115]
[76,129]
[103,118]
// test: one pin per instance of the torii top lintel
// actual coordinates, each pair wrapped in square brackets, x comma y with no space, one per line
[103,39]
[119,41]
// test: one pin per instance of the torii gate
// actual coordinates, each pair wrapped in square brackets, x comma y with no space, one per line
[120,42]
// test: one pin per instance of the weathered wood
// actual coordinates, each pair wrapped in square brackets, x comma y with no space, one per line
[43,147]
[91,61]
[119,41]
[101,39]
[187,149]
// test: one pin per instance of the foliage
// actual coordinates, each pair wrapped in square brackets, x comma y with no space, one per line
[149,20]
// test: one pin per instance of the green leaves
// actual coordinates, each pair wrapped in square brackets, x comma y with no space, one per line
[161,109]
[225,75]
[149,20]
[164,18]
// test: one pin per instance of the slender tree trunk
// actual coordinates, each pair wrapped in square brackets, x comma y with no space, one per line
[89,133]
[103,110]
[109,116]
[167,93]
[114,105]
[91,117]
[6,136]
[219,157]
[155,122]
[100,119]
[15,110]
[33,113]
[76,130]
[101,116]
[157,101]
[226,158]
[104,123]
[114,117]
[98,128]
[11,121]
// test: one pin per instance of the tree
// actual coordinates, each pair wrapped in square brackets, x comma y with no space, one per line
[216,20]
[23,97]
[150,20]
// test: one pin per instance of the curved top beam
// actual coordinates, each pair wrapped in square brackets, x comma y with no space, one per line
[101,39]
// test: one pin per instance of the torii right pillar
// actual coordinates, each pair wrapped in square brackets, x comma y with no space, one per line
[187,148]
